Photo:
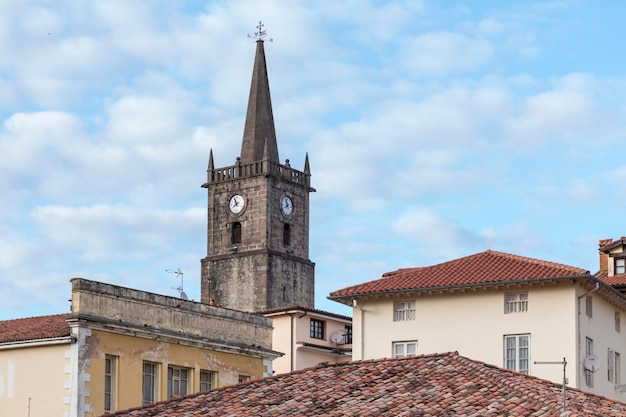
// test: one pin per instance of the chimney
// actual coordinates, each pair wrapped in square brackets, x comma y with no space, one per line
[604,257]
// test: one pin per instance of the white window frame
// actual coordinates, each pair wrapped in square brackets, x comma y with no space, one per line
[620,266]
[149,383]
[515,302]
[613,363]
[517,353]
[404,310]
[618,322]
[110,383]
[588,351]
[405,348]
[178,379]
[589,306]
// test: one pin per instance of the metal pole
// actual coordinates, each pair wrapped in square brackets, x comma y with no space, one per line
[564,363]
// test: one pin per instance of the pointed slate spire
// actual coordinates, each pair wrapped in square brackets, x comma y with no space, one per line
[211,165]
[307,168]
[259,135]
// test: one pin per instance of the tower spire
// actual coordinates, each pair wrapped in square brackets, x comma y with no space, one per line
[259,135]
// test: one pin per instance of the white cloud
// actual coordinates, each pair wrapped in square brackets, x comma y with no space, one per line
[443,53]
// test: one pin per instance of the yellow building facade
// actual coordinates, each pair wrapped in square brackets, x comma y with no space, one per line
[120,348]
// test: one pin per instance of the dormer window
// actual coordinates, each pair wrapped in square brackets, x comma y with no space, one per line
[620,266]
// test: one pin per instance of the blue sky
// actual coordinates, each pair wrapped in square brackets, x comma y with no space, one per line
[434,130]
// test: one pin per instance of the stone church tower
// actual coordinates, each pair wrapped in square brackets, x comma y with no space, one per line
[258,218]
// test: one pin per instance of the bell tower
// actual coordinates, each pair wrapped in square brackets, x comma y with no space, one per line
[258,217]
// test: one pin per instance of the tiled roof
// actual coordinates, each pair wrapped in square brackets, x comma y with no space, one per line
[431,385]
[615,280]
[34,328]
[303,309]
[484,268]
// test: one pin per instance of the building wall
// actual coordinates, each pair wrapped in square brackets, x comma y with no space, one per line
[600,328]
[33,381]
[124,305]
[474,324]
[131,352]
[289,337]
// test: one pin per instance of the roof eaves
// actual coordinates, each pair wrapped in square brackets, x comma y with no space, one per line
[340,298]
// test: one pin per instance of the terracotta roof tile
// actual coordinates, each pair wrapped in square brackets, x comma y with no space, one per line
[489,267]
[34,328]
[430,385]
[303,309]
[615,280]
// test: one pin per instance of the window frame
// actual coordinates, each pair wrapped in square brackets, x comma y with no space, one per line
[209,382]
[618,321]
[404,310]
[517,349]
[347,335]
[149,388]
[317,329]
[405,344]
[619,265]
[110,383]
[178,381]
[515,302]
[287,234]
[589,306]
[235,233]
[588,351]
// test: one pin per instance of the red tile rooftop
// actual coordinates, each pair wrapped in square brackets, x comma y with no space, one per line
[484,268]
[431,385]
[34,328]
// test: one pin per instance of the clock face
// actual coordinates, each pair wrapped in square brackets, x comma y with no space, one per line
[235,204]
[286,205]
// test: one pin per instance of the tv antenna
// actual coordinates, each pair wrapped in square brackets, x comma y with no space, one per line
[180,274]
[564,363]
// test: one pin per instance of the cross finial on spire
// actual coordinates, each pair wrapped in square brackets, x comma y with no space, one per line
[261,34]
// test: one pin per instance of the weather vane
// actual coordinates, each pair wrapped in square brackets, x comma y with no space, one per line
[261,34]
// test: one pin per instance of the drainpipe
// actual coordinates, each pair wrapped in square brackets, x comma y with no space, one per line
[362,330]
[579,371]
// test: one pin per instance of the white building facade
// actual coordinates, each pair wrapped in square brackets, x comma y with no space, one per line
[308,337]
[506,310]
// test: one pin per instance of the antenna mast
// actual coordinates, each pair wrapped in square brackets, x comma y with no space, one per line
[180,274]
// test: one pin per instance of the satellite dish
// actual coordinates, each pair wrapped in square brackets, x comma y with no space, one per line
[592,363]
[336,336]
[183,295]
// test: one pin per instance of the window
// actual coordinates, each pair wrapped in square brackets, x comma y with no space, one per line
[612,365]
[618,320]
[589,306]
[243,378]
[517,353]
[286,235]
[618,366]
[588,351]
[317,329]
[207,380]
[516,302]
[404,310]
[177,381]
[110,364]
[149,383]
[620,266]
[235,233]
[347,335]
[404,348]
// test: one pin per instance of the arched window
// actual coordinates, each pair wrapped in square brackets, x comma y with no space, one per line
[235,236]
[286,235]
